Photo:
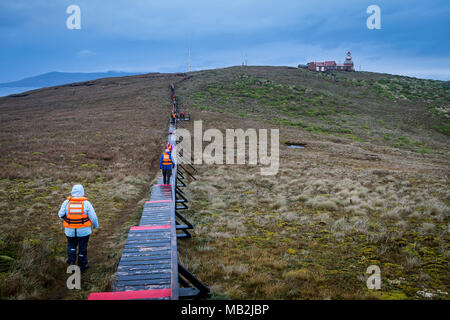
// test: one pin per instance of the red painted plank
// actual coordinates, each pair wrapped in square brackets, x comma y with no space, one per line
[154,201]
[128,295]
[164,226]
[162,185]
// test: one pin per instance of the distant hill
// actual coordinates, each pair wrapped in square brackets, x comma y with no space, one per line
[59,78]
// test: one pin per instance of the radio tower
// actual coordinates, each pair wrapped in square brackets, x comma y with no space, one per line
[189,60]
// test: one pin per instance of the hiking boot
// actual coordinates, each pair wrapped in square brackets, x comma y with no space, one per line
[84,268]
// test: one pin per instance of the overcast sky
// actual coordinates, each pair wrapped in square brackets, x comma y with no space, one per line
[154,35]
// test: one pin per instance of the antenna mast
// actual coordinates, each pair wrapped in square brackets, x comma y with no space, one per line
[189,60]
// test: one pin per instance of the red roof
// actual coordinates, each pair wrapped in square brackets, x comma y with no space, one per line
[324,64]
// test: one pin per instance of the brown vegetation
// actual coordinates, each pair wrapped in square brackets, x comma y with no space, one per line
[371,186]
[108,136]
[335,208]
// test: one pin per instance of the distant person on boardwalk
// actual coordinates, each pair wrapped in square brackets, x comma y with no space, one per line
[78,215]
[166,165]
[172,117]
[182,114]
[169,147]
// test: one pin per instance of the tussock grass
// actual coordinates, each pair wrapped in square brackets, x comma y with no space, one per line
[311,231]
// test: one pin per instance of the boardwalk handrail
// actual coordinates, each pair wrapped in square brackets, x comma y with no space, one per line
[173,228]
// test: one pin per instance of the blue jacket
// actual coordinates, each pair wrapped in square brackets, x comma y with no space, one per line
[167,167]
[78,191]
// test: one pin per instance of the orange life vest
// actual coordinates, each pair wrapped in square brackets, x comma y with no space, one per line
[166,159]
[170,147]
[76,216]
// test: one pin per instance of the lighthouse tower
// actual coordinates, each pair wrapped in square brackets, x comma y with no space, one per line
[348,64]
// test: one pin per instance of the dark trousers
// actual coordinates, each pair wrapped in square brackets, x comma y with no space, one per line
[82,244]
[166,175]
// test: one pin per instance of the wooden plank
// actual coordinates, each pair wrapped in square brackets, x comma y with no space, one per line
[162,263]
[154,221]
[164,276]
[133,250]
[145,258]
[165,213]
[150,222]
[155,251]
[133,255]
[156,207]
[144,282]
[165,226]
[143,271]
[136,233]
[146,237]
[158,201]
[150,237]
[130,295]
[154,213]
[156,217]
[139,268]
[154,244]
[158,250]
[147,242]
[135,287]
[142,244]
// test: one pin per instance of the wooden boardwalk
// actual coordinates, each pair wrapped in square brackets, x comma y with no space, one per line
[149,268]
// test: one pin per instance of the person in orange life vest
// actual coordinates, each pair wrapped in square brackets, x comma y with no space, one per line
[166,165]
[172,117]
[78,215]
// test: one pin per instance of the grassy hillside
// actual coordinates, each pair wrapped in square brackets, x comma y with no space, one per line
[371,186]
[396,111]
[105,134]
